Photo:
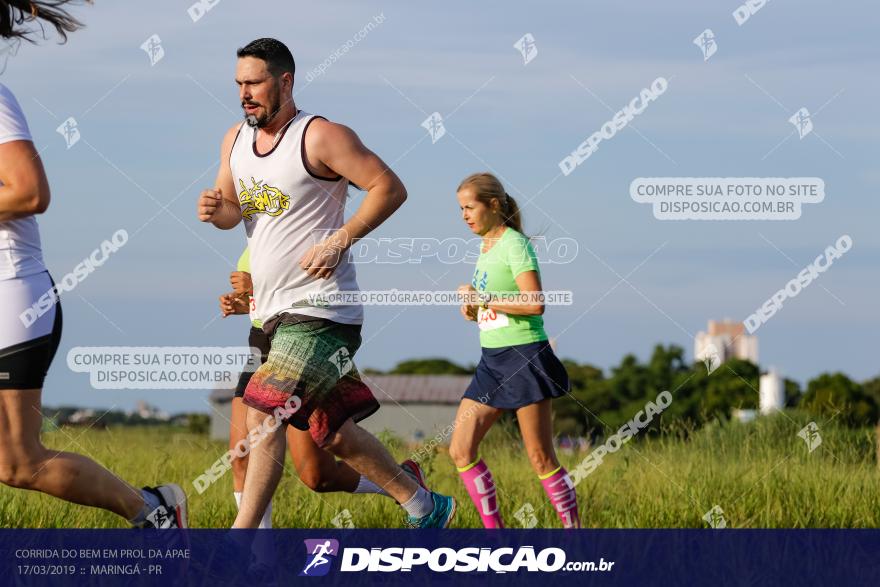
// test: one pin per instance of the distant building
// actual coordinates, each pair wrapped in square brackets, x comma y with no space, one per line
[413,407]
[772,392]
[86,418]
[744,416]
[81,416]
[148,412]
[725,340]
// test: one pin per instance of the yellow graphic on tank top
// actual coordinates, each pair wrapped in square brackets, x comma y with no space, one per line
[261,199]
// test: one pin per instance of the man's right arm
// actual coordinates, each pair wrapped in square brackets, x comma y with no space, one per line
[220,205]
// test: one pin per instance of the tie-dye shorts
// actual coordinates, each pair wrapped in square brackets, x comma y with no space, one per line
[311,360]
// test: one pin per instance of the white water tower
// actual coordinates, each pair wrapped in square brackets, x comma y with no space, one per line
[771,392]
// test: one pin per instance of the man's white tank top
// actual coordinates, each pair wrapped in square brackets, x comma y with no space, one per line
[286,210]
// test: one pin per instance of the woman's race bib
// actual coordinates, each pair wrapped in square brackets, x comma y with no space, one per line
[489,319]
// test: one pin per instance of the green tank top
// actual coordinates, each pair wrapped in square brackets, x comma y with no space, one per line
[244,264]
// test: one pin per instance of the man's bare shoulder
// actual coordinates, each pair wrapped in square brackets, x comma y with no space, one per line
[323,132]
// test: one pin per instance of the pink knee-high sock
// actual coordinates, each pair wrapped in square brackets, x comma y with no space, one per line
[477,479]
[560,490]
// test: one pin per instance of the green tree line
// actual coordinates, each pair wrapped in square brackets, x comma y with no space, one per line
[600,402]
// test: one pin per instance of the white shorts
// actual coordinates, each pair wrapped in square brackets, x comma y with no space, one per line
[30,330]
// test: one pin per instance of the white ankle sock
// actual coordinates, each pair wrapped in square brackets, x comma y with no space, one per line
[421,504]
[266,522]
[151,502]
[367,486]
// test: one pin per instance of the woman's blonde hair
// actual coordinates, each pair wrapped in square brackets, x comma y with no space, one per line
[487,188]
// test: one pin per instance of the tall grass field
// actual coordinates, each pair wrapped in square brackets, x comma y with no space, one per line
[760,474]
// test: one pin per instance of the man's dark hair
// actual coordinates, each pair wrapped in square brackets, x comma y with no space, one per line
[15,13]
[277,56]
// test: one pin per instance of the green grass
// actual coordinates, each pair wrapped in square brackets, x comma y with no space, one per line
[760,474]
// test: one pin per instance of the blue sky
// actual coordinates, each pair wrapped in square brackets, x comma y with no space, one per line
[151,139]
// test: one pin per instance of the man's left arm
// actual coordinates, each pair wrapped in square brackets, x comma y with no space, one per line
[336,149]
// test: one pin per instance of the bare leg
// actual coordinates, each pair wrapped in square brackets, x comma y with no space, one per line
[238,432]
[472,422]
[317,468]
[369,457]
[536,427]
[265,465]
[26,464]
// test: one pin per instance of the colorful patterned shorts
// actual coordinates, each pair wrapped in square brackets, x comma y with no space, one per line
[312,359]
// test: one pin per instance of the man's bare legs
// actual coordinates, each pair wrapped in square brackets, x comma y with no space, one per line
[365,454]
[265,465]
[354,445]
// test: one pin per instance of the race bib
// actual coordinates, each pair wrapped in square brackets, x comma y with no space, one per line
[252,308]
[491,319]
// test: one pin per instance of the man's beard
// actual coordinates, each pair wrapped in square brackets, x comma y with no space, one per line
[255,121]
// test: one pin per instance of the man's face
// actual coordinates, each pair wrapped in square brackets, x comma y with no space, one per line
[258,90]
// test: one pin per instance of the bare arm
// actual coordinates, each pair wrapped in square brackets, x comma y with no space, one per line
[25,189]
[220,205]
[233,303]
[528,302]
[334,148]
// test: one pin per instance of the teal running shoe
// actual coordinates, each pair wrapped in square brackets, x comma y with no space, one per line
[440,516]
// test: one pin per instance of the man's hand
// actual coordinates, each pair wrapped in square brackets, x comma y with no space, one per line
[469,308]
[232,303]
[321,260]
[210,202]
[241,282]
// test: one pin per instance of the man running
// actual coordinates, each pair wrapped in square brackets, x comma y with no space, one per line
[29,339]
[317,469]
[286,173]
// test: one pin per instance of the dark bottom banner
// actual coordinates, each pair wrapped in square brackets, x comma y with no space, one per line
[418,557]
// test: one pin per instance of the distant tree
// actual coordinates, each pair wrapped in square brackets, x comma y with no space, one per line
[572,411]
[792,393]
[872,388]
[665,368]
[198,423]
[432,366]
[834,395]
[581,376]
